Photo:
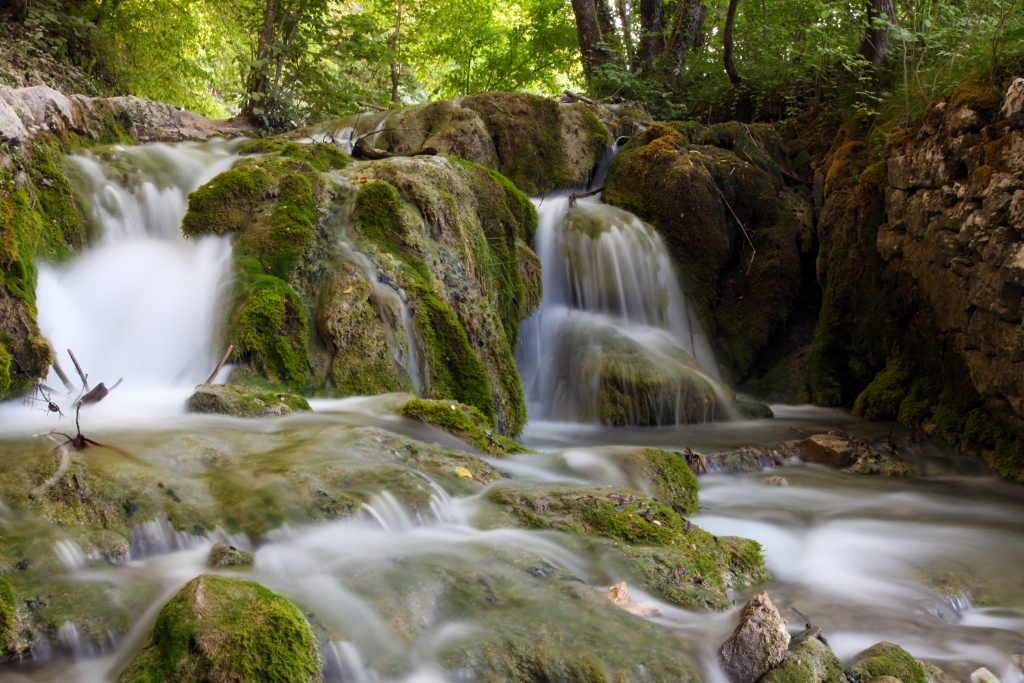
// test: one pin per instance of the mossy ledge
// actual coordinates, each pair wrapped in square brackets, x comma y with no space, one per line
[222,629]
[462,421]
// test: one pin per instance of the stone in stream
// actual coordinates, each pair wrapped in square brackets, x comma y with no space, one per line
[237,401]
[220,629]
[224,555]
[829,449]
[888,659]
[983,675]
[758,644]
[619,594]
[808,661]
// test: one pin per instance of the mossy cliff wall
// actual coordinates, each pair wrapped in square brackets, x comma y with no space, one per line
[40,215]
[922,269]
[697,187]
[538,143]
[364,277]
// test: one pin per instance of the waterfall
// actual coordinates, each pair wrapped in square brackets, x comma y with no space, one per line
[615,339]
[141,304]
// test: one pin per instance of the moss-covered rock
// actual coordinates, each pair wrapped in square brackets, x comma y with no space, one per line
[8,623]
[462,421]
[667,554]
[881,400]
[224,555]
[697,196]
[808,661]
[230,399]
[888,659]
[218,628]
[666,475]
[538,143]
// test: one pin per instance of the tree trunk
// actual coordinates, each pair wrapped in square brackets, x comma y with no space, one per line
[744,104]
[609,34]
[878,37]
[688,27]
[258,75]
[589,33]
[651,12]
[393,47]
[627,32]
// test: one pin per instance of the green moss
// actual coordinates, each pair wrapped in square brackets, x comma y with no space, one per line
[670,556]
[808,662]
[7,616]
[5,370]
[453,370]
[882,399]
[217,627]
[465,422]
[671,480]
[59,205]
[222,555]
[228,399]
[270,331]
[226,203]
[876,174]
[377,214]
[320,156]
[888,659]
[980,96]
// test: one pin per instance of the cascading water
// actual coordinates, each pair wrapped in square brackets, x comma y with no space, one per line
[613,321]
[142,303]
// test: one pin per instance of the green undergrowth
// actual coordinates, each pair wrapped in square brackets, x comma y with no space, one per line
[465,422]
[217,628]
[670,556]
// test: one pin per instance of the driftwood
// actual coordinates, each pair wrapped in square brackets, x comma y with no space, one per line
[576,196]
[372,106]
[85,380]
[363,150]
[63,376]
[223,360]
[568,97]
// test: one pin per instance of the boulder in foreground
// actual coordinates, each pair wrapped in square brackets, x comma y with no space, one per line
[219,629]
[231,399]
[758,644]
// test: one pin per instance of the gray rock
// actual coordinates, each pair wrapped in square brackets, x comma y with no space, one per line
[224,555]
[11,127]
[758,644]
[231,399]
[1013,107]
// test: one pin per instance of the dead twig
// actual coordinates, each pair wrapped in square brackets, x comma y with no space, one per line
[743,228]
[63,376]
[372,106]
[223,360]
[85,381]
[569,97]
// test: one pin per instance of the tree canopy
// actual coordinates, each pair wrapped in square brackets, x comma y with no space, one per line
[289,62]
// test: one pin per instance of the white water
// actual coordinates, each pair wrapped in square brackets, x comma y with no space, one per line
[142,303]
[609,282]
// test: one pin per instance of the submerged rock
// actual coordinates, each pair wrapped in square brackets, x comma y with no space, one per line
[224,555]
[888,659]
[619,594]
[828,449]
[237,401]
[221,629]
[809,661]
[759,643]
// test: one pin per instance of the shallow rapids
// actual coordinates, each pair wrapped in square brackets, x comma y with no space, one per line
[931,564]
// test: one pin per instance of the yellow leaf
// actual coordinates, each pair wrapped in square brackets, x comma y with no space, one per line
[347,290]
[463,472]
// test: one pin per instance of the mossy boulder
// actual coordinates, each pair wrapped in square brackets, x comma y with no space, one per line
[224,555]
[668,555]
[888,659]
[222,629]
[538,143]
[742,281]
[230,399]
[666,475]
[973,105]
[462,421]
[8,620]
[809,661]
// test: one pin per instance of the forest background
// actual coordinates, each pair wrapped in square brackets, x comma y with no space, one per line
[293,62]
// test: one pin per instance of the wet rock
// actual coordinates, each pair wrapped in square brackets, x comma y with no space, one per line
[9,636]
[221,629]
[777,481]
[750,409]
[983,675]
[223,555]
[238,401]
[666,475]
[1013,107]
[462,421]
[758,644]
[828,449]
[888,659]
[749,459]
[619,594]
[810,661]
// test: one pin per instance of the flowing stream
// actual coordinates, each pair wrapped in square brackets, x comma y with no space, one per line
[932,564]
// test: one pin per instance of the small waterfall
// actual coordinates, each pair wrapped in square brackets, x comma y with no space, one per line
[142,302]
[614,340]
